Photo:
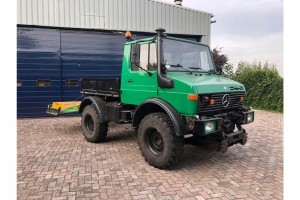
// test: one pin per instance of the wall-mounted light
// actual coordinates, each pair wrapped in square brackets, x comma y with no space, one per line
[178,2]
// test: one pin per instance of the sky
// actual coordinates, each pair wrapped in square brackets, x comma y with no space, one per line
[250,31]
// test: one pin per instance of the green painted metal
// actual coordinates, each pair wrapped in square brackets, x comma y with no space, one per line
[74,109]
[204,83]
[196,83]
[138,86]
[58,111]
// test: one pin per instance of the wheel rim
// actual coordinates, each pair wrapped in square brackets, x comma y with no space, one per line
[89,124]
[155,141]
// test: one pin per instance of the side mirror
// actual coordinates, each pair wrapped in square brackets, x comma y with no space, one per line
[220,69]
[135,53]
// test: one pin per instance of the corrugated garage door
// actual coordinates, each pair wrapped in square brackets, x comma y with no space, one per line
[51,62]
[88,54]
[38,70]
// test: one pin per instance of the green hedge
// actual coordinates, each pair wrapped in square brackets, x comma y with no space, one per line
[264,86]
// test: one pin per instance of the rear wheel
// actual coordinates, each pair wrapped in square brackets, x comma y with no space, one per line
[158,142]
[93,130]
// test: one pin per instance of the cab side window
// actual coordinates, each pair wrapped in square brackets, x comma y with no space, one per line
[152,66]
[135,57]
[143,56]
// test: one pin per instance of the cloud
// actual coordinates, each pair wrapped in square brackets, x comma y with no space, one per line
[248,30]
[240,17]
[252,49]
[254,19]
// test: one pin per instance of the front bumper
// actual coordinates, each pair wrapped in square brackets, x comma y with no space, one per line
[221,123]
[239,136]
[219,141]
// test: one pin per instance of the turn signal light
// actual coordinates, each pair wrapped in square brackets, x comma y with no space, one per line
[193,97]
[242,99]
[127,35]
[211,101]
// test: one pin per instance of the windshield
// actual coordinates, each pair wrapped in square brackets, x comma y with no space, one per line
[192,57]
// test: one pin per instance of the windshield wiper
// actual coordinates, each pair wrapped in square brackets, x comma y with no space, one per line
[180,66]
[212,71]
[195,68]
[209,71]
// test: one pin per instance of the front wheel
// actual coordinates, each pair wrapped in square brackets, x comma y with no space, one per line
[158,142]
[93,130]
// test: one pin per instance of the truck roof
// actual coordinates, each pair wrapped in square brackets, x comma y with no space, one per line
[168,37]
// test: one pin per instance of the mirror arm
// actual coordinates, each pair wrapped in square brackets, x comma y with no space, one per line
[138,65]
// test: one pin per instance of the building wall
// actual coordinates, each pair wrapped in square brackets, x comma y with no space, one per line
[119,15]
[51,63]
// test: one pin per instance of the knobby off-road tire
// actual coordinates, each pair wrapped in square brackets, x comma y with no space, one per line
[93,130]
[158,142]
[245,138]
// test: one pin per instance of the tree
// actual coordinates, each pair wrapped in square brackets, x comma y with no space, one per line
[264,85]
[221,63]
[228,71]
[243,65]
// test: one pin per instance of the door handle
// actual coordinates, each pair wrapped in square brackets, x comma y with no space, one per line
[130,81]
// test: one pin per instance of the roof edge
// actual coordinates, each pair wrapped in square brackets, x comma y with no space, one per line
[187,8]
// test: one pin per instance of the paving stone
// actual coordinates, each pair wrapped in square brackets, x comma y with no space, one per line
[54,161]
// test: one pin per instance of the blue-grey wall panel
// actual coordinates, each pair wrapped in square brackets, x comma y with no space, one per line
[89,54]
[38,58]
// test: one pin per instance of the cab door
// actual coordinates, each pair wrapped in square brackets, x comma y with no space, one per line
[138,84]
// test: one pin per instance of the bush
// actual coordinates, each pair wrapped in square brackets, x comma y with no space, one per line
[264,86]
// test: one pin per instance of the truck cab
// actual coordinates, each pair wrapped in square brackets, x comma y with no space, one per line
[171,93]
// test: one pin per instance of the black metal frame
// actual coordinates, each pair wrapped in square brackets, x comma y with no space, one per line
[101,87]
[235,137]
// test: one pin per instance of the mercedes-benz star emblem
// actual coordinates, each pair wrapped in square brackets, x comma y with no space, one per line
[225,100]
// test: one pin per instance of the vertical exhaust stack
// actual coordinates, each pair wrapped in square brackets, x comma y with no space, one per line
[178,2]
[162,79]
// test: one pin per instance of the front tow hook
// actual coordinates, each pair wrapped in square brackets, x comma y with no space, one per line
[232,138]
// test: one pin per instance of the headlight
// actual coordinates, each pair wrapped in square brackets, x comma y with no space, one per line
[210,126]
[207,126]
[250,117]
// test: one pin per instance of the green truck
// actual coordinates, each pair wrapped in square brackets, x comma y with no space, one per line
[171,93]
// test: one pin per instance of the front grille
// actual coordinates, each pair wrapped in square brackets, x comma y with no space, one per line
[206,108]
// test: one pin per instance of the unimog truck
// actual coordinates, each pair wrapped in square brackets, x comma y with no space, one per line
[171,92]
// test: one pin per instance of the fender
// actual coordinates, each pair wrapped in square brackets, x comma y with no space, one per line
[99,104]
[156,104]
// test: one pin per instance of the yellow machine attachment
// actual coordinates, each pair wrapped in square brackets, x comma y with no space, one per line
[57,108]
